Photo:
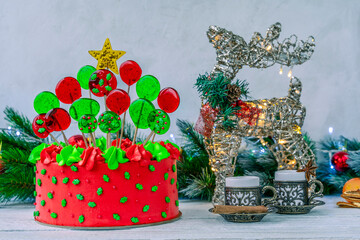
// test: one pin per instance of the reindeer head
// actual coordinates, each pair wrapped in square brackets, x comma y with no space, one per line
[261,52]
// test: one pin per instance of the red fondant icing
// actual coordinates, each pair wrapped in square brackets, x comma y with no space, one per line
[89,157]
[48,154]
[137,189]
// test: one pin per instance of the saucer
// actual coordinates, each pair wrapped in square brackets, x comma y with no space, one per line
[298,209]
[244,217]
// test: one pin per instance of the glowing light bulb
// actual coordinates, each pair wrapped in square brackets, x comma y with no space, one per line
[332,167]
[281,70]
[268,48]
[171,135]
[17,133]
[290,73]
[9,127]
[331,130]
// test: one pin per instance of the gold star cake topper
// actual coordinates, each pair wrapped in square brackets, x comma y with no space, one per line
[107,57]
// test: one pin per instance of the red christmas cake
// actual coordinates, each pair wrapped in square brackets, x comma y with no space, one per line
[92,182]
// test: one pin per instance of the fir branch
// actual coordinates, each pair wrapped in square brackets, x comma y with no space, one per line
[19,122]
[201,186]
[17,185]
[193,140]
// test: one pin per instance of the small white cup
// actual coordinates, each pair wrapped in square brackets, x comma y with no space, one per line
[246,191]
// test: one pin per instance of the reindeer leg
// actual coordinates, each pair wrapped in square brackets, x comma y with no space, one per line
[223,149]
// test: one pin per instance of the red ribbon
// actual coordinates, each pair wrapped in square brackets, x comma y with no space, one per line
[48,154]
[138,153]
[90,156]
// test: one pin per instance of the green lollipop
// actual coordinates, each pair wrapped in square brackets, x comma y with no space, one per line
[139,112]
[84,74]
[159,121]
[87,124]
[109,122]
[45,101]
[148,87]
[84,106]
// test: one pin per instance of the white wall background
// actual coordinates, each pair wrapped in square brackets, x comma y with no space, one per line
[44,41]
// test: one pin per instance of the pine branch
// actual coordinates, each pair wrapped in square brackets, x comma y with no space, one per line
[193,140]
[19,122]
[17,185]
[201,186]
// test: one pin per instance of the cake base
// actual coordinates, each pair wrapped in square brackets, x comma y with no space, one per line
[113,228]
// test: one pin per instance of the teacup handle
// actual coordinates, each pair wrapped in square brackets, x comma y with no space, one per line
[318,193]
[268,201]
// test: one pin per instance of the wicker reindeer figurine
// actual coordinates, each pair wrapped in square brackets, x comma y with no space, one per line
[279,118]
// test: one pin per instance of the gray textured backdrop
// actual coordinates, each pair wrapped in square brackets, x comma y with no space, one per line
[43,41]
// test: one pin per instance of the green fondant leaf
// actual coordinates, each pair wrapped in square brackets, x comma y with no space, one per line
[42,203]
[146,208]
[74,168]
[101,82]
[108,76]
[36,213]
[65,180]
[54,180]
[134,220]
[139,186]
[177,203]
[53,215]
[127,175]
[163,214]
[99,191]
[151,168]
[43,171]
[81,218]
[76,181]
[63,202]
[50,195]
[123,199]
[166,176]
[80,197]
[172,181]
[167,199]
[116,216]
[92,204]
[154,188]
[174,168]
[39,182]
[106,178]
[35,153]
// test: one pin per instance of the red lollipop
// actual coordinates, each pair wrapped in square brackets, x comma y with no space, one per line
[102,82]
[130,72]
[39,126]
[118,101]
[57,119]
[168,100]
[68,90]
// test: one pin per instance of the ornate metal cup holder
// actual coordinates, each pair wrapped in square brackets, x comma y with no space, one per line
[244,217]
[298,209]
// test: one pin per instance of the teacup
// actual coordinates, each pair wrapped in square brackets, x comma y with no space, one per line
[246,191]
[293,188]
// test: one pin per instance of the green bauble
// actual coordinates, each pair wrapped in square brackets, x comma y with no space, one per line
[159,121]
[139,112]
[84,74]
[148,87]
[45,101]
[109,122]
[84,106]
[87,124]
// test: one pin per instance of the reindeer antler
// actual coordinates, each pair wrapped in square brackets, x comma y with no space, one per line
[233,52]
